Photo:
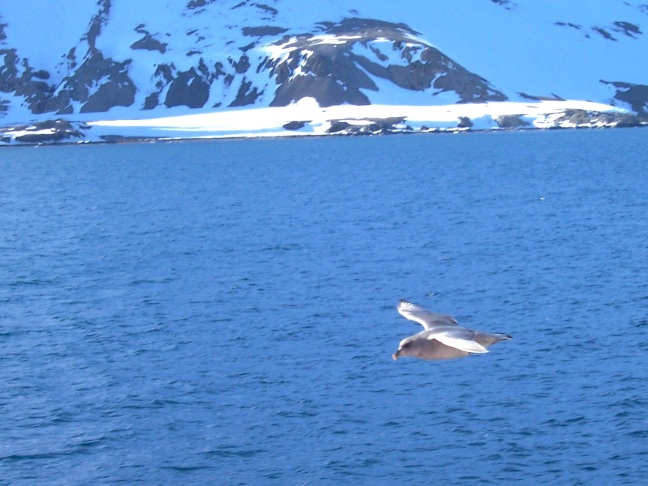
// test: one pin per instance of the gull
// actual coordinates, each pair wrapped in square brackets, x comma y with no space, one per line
[442,337]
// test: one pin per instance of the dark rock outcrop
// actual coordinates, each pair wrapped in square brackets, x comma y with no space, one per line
[48,132]
[635,95]
[295,125]
[372,126]
[512,122]
[262,31]
[336,73]
[464,122]
[98,85]
[187,89]
[18,77]
[97,23]
[192,88]
[627,28]
[551,97]
[95,85]
[246,95]
[507,4]
[587,119]
[621,27]
[149,43]
[327,90]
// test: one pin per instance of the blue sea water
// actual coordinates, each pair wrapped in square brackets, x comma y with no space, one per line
[224,312]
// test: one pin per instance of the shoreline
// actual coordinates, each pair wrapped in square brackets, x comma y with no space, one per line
[307,119]
[216,138]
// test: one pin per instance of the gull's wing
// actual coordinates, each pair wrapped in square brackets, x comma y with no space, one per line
[456,337]
[423,316]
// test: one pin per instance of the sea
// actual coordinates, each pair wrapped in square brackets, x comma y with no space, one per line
[224,312]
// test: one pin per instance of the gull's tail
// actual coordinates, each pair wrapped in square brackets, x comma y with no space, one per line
[487,339]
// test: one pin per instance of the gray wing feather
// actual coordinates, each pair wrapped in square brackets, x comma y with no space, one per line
[456,337]
[426,318]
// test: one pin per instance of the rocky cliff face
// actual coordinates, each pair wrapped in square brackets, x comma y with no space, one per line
[93,83]
[335,65]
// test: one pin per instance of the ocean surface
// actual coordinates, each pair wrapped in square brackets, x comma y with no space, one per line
[224,312]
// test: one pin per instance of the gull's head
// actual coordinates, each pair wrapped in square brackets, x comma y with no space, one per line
[407,347]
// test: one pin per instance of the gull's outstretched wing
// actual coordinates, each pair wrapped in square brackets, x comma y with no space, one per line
[456,337]
[423,316]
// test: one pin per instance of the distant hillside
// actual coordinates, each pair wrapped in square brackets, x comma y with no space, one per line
[125,59]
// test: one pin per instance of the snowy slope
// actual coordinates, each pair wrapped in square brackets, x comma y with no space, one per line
[84,61]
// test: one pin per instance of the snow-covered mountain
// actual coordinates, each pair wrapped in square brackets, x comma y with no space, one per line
[75,68]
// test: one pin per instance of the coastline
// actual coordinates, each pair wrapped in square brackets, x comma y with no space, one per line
[306,119]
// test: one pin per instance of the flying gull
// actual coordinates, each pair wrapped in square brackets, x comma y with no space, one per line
[442,337]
